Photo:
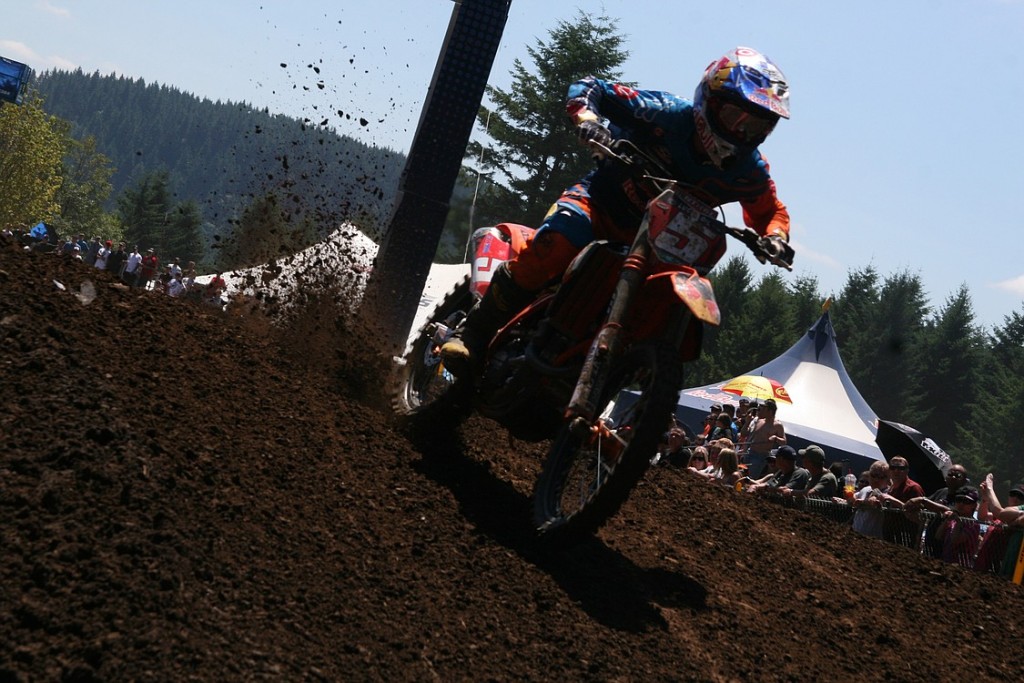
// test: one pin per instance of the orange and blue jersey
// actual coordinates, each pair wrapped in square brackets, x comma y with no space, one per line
[663,124]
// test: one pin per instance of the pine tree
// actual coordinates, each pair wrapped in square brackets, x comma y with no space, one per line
[533,150]
[953,347]
[145,210]
[183,239]
[991,436]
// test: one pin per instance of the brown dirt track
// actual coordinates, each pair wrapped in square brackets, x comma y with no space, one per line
[186,495]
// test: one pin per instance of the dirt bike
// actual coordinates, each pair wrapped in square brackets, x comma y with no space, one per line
[596,363]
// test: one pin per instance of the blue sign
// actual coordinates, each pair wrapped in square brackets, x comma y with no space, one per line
[14,77]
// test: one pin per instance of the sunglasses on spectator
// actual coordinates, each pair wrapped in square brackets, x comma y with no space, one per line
[898,467]
[956,475]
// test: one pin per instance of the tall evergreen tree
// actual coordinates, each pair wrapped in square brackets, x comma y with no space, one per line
[992,435]
[718,360]
[807,303]
[183,239]
[853,313]
[953,347]
[145,211]
[892,386]
[533,150]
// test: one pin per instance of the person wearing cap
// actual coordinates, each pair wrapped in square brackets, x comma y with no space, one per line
[149,268]
[709,423]
[959,533]
[787,475]
[823,483]
[939,502]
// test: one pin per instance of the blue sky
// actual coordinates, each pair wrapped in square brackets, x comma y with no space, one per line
[904,151]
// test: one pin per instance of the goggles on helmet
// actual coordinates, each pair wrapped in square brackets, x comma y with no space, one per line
[740,125]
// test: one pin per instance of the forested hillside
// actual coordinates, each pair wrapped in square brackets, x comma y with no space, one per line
[224,155]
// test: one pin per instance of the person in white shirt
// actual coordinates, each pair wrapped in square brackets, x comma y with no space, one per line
[102,254]
[131,268]
[175,287]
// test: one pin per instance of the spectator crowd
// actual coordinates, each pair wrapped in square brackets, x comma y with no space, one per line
[133,267]
[745,448]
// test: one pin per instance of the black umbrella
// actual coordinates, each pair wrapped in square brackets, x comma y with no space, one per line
[928,462]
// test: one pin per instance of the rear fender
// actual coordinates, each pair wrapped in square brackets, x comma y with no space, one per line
[493,246]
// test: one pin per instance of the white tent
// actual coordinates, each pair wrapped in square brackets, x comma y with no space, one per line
[348,255]
[827,409]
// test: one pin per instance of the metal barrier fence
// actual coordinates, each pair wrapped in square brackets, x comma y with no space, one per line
[957,540]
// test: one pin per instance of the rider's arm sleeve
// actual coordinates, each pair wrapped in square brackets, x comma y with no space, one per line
[765,213]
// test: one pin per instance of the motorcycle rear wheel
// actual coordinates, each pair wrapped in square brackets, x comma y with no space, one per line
[424,393]
[584,481]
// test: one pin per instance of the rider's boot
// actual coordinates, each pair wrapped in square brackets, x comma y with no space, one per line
[502,300]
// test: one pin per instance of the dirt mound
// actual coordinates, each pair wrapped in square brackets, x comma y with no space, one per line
[184,495]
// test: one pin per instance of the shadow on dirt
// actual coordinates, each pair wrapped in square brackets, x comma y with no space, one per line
[606,584]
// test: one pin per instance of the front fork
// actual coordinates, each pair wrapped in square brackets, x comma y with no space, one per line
[582,409]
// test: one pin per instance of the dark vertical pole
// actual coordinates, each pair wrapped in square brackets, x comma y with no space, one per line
[432,167]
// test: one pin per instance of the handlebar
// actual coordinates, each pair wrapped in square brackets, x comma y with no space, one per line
[624,152]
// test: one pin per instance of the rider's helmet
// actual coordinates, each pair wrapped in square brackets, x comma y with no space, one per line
[738,101]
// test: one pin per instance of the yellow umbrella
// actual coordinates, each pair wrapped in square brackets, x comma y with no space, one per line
[757,388]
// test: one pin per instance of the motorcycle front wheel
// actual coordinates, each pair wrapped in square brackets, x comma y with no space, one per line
[586,478]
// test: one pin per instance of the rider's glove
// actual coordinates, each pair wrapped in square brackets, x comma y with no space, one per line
[594,131]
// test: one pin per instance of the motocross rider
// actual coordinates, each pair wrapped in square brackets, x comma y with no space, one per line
[710,143]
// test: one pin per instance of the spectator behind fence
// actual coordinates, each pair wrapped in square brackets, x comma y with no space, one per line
[787,475]
[766,434]
[677,452]
[939,502]
[709,423]
[822,483]
[724,428]
[699,459]
[771,467]
[903,487]
[727,469]
[868,517]
[1001,547]
[958,532]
